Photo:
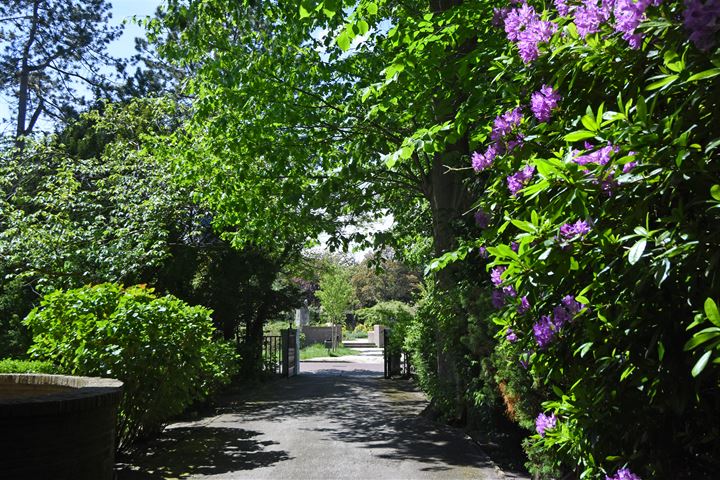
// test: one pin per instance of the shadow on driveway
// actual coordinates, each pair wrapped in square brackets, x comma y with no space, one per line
[186,451]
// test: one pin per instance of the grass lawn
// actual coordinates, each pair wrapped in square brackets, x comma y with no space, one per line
[318,350]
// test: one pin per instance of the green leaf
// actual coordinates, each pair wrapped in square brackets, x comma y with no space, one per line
[703,75]
[663,82]
[636,251]
[701,363]
[524,226]
[304,12]
[578,135]
[343,41]
[363,27]
[641,109]
[700,338]
[711,310]
[715,192]
[583,349]
[589,122]
[371,8]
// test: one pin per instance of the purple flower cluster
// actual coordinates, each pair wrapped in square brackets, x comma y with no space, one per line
[481,161]
[623,474]
[496,275]
[702,20]
[504,124]
[562,7]
[589,16]
[544,331]
[498,299]
[482,218]
[543,102]
[524,305]
[545,422]
[572,230]
[511,336]
[599,157]
[627,168]
[524,27]
[518,180]
[548,326]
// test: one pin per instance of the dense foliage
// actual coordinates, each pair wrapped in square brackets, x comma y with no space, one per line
[160,348]
[9,365]
[599,219]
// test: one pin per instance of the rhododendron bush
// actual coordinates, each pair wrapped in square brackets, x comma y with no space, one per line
[602,223]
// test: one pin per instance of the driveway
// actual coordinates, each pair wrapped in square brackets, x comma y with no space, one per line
[336,420]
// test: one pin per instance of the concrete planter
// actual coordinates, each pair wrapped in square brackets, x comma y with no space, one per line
[56,426]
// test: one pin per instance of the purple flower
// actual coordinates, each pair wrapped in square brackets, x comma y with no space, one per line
[496,275]
[509,291]
[517,20]
[545,422]
[524,27]
[589,16]
[511,336]
[701,20]
[483,252]
[524,362]
[629,166]
[514,246]
[498,299]
[519,179]
[599,157]
[517,142]
[543,102]
[623,474]
[505,123]
[560,317]
[572,305]
[499,15]
[482,218]
[571,230]
[524,305]
[481,161]
[562,7]
[544,331]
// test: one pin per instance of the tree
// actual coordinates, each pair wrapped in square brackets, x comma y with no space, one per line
[302,132]
[336,296]
[390,280]
[48,48]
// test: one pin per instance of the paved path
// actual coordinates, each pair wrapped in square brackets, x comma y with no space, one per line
[337,420]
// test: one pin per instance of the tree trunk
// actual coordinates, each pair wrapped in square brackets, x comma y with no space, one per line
[448,200]
[24,78]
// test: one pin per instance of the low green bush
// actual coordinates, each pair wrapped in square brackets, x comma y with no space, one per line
[10,365]
[161,349]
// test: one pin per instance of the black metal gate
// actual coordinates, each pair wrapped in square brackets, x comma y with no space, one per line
[396,360]
[281,353]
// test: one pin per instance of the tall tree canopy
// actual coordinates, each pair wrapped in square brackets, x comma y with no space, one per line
[48,48]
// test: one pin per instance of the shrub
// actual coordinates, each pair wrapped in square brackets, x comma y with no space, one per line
[10,365]
[600,217]
[159,347]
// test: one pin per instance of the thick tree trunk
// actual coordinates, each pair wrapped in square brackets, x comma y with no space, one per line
[448,200]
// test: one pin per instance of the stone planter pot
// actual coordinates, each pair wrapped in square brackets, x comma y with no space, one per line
[57,426]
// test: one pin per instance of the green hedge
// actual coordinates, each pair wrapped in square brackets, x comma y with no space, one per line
[10,365]
[160,347]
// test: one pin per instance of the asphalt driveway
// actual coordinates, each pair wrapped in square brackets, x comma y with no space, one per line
[336,420]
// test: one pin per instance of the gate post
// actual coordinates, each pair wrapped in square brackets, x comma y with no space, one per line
[285,371]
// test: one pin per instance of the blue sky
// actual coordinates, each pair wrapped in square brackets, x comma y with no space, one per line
[123,47]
